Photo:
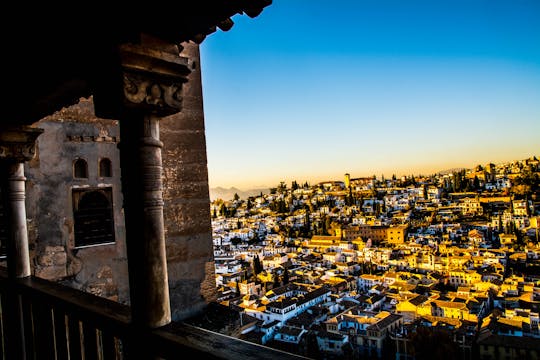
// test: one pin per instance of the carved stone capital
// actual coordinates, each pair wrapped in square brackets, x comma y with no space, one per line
[152,79]
[18,144]
[157,96]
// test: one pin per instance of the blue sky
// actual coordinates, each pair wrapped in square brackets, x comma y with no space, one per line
[310,90]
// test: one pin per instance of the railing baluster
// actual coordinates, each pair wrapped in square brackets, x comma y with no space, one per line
[108,346]
[90,341]
[60,334]
[2,324]
[74,338]
[28,324]
[43,331]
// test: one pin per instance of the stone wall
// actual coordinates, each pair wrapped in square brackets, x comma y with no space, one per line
[187,203]
[69,134]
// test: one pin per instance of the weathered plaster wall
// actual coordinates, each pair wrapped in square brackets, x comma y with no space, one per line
[187,203]
[69,134]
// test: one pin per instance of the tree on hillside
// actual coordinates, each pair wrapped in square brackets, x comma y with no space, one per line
[257,265]
[476,183]
[350,200]
[286,277]
[224,210]
[433,344]
[236,197]
[282,207]
[277,283]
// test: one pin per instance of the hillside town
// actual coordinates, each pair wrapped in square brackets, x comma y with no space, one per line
[440,266]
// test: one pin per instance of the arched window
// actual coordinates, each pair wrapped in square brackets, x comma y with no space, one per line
[105,168]
[93,215]
[80,169]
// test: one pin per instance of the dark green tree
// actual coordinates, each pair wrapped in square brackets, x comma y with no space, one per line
[224,210]
[257,265]
[326,225]
[286,277]
[433,344]
[476,183]
[349,200]
[277,283]
[236,197]
[236,240]
[282,207]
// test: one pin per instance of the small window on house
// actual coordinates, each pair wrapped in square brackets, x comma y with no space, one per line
[105,168]
[80,169]
[93,217]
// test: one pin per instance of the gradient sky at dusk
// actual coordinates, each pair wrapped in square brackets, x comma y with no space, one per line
[310,90]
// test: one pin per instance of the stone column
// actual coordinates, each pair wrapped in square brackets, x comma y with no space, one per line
[17,145]
[190,257]
[153,74]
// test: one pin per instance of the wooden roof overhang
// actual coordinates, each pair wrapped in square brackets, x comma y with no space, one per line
[54,54]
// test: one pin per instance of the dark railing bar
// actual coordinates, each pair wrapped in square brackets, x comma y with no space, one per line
[60,334]
[43,331]
[74,338]
[90,343]
[28,325]
[2,324]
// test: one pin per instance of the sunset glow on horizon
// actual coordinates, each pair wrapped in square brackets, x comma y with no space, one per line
[311,90]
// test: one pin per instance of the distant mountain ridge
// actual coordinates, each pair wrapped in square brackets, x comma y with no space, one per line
[450,171]
[228,194]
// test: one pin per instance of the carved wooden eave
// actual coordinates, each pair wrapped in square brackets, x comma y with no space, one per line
[55,54]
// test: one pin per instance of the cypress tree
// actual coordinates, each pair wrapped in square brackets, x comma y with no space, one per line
[286,277]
